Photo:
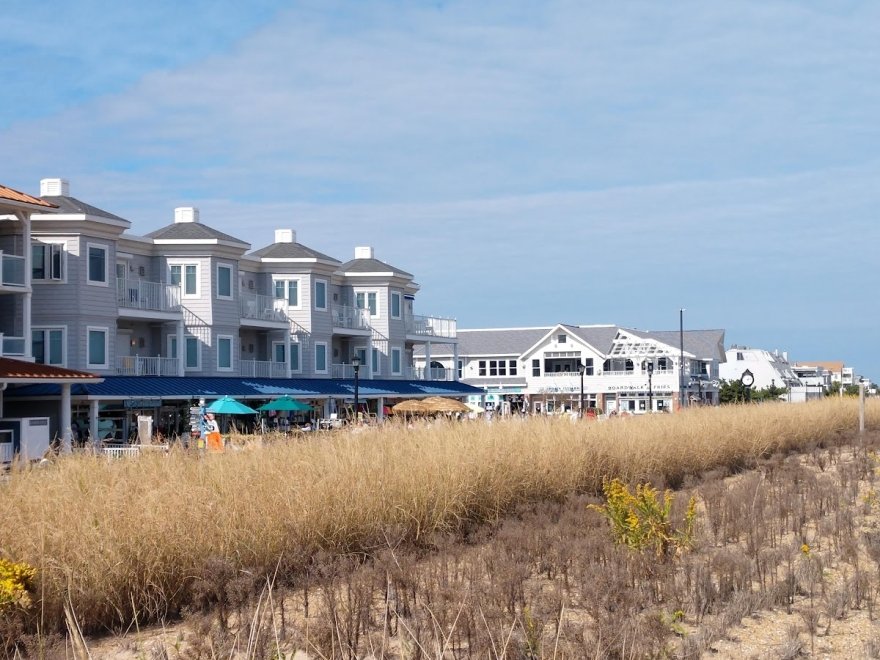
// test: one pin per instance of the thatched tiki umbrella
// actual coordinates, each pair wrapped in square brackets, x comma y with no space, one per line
[444,405]
[408,406]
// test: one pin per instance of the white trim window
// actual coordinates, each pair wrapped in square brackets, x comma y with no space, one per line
[172,346]
[396,366]
[48,345]
[193,357]
[224,282]
[224,352]
[287,288]
[321,295]
[47,262]
[97,347]
[321,357]
[376,364]
[368,300]
[185,274]
[396,312]
[96,264]
[278,350]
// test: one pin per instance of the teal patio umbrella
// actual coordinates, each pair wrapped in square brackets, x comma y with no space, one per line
[229,406]
[285,403]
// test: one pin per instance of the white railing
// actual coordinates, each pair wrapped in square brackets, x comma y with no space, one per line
[135,365]
[11,345]
[263,369]
[141,294]
[11,270]
[121,452]
[434,373]
[431,326]
[350,317]
[345,371]
[262,308]
[6,452]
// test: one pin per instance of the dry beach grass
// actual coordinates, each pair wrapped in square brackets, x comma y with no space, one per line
[144,539]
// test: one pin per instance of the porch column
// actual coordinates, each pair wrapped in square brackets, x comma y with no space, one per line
[380,409]
[93,422]
[455,361]
[181,350]
[427,375]
[26,303]
[66,433]
[287,348]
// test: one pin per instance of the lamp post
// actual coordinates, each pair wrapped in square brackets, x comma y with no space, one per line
[861,405]
[681,358]
[747,379]
[650,390]
[581,368]
[356,365]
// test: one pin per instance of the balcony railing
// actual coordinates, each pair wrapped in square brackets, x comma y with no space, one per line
[136,365]
[431,326]
[421,373]
[350,317]
[153,296]
[262,308]
[263,369]
[346,371]
[11,270]
[11,345]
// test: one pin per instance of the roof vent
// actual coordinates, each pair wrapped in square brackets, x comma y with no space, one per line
[54,188]
[186,214]
[285,236]
[363,253]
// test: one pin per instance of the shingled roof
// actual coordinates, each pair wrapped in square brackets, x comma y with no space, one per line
[291,251]
[189,231]
[73,205]
[372,266]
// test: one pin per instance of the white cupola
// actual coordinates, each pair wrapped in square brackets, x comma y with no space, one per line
[285,236]
[363,253]
[186,214]
[54,188]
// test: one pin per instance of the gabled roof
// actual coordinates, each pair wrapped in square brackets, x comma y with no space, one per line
[20,371]
[189,231]
[492,341]
[372,266]
[73,205]
[705,344]
[290,251]
[15,196]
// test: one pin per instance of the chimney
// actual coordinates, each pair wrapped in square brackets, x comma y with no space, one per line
[285,236]
[54,188]
[363,253]
[186,214]
[785,355]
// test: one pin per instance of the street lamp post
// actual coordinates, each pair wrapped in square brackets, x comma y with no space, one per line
[861,405]
[581,368]
[681,358]
[650,390]
[747,379]
[356,364]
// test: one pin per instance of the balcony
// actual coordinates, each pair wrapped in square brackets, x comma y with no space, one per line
[11,346]
[262,369]
[11,270]
[136,365]
[434,373]
[431,326]
[351,318]
[262,309]
[147,296]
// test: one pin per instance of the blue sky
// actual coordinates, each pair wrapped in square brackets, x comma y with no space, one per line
[531,163]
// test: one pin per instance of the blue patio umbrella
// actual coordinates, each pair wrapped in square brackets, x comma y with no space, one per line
[229,406]
[285,403]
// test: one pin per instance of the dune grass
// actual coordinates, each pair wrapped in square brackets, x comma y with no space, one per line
[143,537]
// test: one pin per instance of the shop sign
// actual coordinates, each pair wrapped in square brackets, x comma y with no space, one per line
[142,403]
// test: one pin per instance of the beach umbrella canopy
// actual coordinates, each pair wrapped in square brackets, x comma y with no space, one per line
[475,407]
[229,406]
[442,404]
[285,403]
[408,406]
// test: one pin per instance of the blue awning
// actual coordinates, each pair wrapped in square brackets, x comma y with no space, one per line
[187,388]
